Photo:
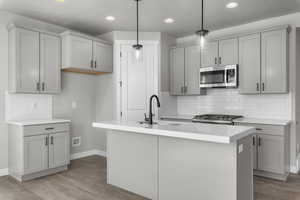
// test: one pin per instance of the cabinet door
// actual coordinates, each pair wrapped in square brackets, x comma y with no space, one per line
[59,149]
[81,53]
[103,57]
[35,153]
[228,52]
[274,61]
[271,153]
[27,61]
[50,68]
[192,66]
[209,54]
[249,64]
[177,71]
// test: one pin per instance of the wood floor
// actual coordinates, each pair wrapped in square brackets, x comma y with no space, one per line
[86,180]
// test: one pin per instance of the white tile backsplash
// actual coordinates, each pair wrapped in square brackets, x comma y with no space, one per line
[229,101]
[27,106]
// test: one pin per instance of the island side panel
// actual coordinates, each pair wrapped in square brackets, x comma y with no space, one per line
[196,170]
[132,162]
[245,169]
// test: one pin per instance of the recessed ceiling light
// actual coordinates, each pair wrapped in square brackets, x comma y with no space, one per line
[169,21]
[60,1]
[232,5]
[110,18]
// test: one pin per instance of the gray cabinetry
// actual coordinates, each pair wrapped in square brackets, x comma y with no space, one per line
[103,57]
[270,150]
[249,64]
[222,52]
[184,72]
[38,150]
[263,62]
[34,61]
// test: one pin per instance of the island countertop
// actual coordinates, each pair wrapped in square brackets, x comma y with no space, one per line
[224,134]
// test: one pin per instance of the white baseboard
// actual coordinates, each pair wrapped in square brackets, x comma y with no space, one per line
[296,168]
[88,153]
[4,172]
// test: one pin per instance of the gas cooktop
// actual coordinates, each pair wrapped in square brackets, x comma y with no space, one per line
[216,118]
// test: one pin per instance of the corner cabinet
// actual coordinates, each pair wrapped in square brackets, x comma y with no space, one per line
[264,63]
[34,61]
[38,150]
[85,54]
[184,71]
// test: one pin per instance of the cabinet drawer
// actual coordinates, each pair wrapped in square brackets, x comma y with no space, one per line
[266,129]
[45,129]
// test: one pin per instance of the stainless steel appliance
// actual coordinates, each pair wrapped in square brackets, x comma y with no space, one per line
[216,119]
[219,77]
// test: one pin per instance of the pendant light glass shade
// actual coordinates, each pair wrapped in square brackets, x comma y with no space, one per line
[203,32]
[138,47]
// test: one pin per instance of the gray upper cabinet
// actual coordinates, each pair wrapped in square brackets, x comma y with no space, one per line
[103,57]
[263,62]
[228,52]
[23,60]
[184,72]
[249,64]
[34,61]
[50,67]
[209,54]
[192,66]
[274,61]
[177,71]
[85,54]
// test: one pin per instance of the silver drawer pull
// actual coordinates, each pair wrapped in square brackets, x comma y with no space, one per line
[259,129]
[48,129]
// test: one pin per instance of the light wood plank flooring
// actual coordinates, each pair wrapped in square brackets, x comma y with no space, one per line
[86,180]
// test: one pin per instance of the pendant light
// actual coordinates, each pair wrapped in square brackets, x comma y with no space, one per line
[203,32]
[137,46]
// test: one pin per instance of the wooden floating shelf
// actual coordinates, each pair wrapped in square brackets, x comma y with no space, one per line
[83,71]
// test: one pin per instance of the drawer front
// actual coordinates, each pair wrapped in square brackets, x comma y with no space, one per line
[266,129]
[46,129]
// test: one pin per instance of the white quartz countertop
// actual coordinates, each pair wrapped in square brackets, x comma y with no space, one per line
[37,122]
[195,131]
[279,122]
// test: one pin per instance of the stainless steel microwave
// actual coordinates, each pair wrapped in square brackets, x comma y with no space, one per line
[219,77]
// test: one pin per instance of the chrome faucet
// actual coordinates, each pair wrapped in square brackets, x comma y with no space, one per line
[150,119]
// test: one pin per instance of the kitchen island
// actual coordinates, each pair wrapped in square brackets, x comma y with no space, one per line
[175,161]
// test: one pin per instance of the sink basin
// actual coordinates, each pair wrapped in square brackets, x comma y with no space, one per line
[161,123]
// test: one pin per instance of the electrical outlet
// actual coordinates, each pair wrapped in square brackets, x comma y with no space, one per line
[76,141]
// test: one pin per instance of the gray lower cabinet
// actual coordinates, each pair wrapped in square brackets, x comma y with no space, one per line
[271,151]
[184,71]
[38,150]
[263,62]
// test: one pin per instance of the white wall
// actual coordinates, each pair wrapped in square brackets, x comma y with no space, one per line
[269,106]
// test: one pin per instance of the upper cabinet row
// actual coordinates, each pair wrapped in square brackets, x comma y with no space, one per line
[36,58]
[86,54]
[262,59]
[34,61]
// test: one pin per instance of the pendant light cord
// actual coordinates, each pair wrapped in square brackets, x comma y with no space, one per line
[202,15]
[137,21]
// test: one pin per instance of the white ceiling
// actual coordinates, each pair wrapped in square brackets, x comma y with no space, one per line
[89,15]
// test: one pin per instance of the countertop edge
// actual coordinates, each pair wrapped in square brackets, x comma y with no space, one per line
[38,122]
[175,134]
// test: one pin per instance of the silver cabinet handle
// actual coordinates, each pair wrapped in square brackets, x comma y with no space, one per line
[52,140]
[92,64]
[95,64]
[220,60]
[259,129]
[259,141]
[50,128]
[263,86]
[257,86]
[46,141]
[253,141]
[38,86]
[216,60]
[43,86]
